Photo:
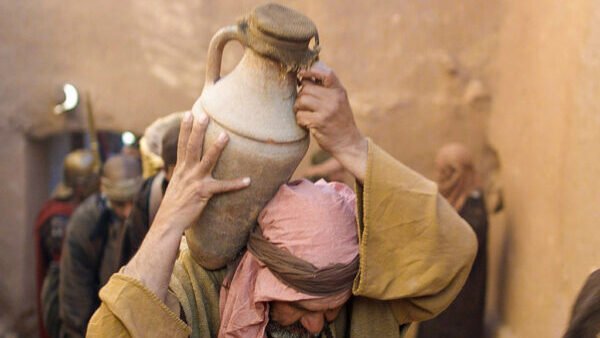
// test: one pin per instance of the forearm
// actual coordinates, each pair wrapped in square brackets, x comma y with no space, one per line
[190,188]
[354,158]
[153,263]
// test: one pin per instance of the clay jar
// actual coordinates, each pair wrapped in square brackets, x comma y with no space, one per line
[253,105]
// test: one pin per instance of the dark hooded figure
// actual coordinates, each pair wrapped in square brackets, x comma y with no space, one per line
[457,182]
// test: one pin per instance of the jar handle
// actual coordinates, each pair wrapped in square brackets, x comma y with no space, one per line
[215,51]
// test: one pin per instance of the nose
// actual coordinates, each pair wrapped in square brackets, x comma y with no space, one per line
[313,322]
[127,209]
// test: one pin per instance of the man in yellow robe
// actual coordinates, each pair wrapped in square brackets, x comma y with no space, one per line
[414,251]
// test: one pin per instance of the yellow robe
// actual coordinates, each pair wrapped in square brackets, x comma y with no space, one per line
[415,255]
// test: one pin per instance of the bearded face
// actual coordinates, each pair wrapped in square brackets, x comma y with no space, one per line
[305,318]
[296,330]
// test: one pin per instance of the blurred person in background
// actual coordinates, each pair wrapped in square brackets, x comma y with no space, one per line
[585,316]
[79,181]
[458,183]
[150,195]
[324,166]
[92,244]
[150,145]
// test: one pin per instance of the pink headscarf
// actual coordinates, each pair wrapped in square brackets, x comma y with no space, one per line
[315,222]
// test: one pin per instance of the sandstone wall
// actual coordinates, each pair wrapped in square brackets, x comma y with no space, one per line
[545,124]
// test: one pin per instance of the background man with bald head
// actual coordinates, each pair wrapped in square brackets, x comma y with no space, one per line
[92,244]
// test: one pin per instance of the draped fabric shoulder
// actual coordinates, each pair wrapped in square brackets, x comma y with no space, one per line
[198,291]
[373,318]
[130,310]
[415,250]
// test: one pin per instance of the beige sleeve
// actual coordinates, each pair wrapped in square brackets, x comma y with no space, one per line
[415,250]
[129,309]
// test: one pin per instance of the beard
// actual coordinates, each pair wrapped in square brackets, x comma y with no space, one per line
[296,330]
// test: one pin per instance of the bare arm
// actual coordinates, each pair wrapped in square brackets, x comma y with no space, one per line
[322,106]
[189,190]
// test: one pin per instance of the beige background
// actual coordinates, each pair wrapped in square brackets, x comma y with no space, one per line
[516,80]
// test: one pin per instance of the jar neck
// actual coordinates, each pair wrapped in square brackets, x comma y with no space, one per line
[268,70]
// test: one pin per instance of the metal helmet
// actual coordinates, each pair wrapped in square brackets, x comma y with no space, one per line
[80,176]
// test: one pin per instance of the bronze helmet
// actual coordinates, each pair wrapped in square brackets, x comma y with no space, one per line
[80,176]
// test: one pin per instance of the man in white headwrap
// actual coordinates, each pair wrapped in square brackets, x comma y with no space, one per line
[414,251]
[151,144]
